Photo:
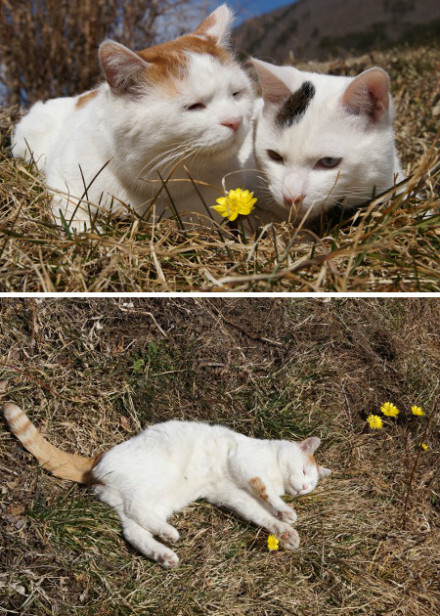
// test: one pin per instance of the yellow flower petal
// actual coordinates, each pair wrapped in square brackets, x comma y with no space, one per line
[389,409]
[273,543]
[235,202]
[418,411]
[375,422]
[424,446]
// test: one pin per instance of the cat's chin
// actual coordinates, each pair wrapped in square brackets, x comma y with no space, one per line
[308,212]
[222,151]
[227,146]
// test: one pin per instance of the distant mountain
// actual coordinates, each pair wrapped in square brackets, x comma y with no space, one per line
[321,29]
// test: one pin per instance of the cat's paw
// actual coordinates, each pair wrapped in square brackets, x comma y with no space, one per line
[289,539]
[169,534]
[287,515]
[168,559]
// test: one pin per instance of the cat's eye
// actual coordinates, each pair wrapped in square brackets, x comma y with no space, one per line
[304,472]
[237,93]
[328,162]
[196,107]
[275,156]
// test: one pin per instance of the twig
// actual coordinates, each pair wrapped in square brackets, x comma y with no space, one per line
[41,383]
[413,470]
[242,330]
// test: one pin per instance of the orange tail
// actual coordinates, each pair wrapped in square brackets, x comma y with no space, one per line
[61,464]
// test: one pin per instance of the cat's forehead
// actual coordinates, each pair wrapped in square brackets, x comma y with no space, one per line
[171,60]
[312,94]
[205,74]
[312,117]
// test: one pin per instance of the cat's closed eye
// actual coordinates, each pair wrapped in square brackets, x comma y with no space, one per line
[328,162]
[275,156]
[196,107]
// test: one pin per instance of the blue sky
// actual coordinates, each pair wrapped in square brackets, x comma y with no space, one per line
[250,8]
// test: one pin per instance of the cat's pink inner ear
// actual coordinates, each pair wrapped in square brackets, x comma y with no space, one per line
[217,26]
[273,88]
[323,472]
[123,69]
[311,444]
[368,94]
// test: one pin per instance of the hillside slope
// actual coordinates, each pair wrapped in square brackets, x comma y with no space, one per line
[311,29]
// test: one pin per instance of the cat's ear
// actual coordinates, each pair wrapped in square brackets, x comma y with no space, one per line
[123,69]
[273,88]
[368,94]
[311,444]
[217,26]
[323,472]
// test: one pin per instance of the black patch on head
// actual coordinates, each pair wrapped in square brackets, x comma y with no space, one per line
[295,106]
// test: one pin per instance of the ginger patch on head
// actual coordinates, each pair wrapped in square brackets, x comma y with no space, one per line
[85,98]
[259,487]
[169,61]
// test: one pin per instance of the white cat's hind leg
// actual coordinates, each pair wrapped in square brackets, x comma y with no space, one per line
[40,128]
[144,542]
[151,521]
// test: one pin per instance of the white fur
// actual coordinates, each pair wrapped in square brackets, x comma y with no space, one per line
[169,465]
[120,139]
[329,128]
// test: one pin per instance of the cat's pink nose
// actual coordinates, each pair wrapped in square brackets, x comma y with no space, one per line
[304,486]
[289,200]
[232,123]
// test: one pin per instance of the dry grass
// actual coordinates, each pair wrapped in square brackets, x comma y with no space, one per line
[91,372]
[49,47]
[391,246]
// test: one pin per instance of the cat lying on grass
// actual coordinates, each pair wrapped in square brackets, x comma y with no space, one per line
[183,102]
[169,465]
[322,140]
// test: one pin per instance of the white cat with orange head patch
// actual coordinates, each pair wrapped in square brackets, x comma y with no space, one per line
[323,140]
[169,465]
[183,102]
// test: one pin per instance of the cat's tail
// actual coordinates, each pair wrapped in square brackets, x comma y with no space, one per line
[59,463]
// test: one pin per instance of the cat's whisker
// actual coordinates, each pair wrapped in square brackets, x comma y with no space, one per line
[162,158]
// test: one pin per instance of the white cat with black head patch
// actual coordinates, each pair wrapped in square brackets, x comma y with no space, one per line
[322,140]
[186,101]
[169,465]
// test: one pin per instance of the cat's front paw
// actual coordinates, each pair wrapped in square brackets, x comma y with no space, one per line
[168,559]
[289,539]
[170,534]
[287,515]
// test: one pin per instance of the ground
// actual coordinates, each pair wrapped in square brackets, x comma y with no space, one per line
[389,247]
[92,372]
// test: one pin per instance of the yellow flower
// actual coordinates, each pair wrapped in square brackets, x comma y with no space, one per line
[417,410]
[236,202]
[424,446]
[389,410]
[273,543]
[374,421]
